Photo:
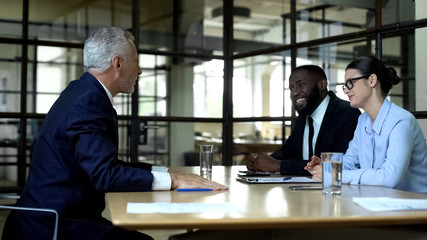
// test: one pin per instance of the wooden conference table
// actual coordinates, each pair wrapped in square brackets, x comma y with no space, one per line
[264,206]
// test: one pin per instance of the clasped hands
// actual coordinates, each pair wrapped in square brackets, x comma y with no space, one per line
[314,167]
[262,162]
[265,163]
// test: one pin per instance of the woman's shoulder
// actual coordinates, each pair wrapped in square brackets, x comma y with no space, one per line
[400,113]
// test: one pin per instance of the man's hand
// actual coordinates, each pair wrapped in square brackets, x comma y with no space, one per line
[262,162]
[314,167]
[250,161]
[189,180]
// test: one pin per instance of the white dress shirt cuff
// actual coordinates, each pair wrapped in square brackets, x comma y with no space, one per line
[161,181]
[159,169]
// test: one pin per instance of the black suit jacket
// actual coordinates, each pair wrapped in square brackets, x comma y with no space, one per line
[337,130]
[75,161]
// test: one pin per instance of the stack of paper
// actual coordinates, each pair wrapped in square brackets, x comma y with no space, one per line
[391,204]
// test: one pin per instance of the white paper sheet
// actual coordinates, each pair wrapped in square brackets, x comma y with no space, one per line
[163,207]
[391,204]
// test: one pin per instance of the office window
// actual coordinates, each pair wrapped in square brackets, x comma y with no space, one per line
[396,11]
[9,142]
[154,147]
[258,86]
[258,24]
[10,131]
[73,20]
[255,137]
[180,26]
[152,144]
[208,89]
[50,71]
[11,19]
[153,85]
[318,19]
[10,78]
[204,133]
[399,53]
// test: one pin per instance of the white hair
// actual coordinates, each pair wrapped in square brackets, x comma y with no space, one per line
[102,45]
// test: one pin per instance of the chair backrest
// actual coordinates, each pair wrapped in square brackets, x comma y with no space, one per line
[6,196]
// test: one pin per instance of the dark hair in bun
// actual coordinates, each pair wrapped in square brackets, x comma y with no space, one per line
[368,65]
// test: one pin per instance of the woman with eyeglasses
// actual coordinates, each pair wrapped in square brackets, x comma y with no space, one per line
[388,148]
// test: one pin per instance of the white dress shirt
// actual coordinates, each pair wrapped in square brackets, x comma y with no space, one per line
[317,116]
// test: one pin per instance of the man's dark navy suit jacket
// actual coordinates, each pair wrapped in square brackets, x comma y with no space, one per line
[75,161]
[335,133]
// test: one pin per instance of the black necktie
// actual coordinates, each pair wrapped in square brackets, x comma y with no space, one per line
[310,137]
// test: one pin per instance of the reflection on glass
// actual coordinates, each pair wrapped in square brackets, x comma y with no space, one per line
[11,19]
[396,11]
[154,143]
[181,87]
[318,20]
[73,20]
[10,78]
[394,50]
[208,89]
[187,30]
[9,145]
[56,67]
[259,24]
[205,133]
[150,106]
[259,86]
[254,137]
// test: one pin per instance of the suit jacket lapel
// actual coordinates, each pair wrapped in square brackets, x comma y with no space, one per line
[328,116]
[299,133]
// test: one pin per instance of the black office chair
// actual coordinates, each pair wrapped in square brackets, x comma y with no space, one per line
[6,196]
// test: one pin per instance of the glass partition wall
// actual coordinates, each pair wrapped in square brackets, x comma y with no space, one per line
[213,71]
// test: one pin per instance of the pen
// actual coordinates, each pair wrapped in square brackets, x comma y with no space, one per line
[193,189]
[287,178]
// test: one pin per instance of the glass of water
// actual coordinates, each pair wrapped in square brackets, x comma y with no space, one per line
[206,159]
[332,173]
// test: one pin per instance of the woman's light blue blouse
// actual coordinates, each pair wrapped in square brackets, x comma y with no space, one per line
[391,153]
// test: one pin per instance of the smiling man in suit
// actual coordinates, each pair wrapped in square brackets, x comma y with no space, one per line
[333,124]
[75,160]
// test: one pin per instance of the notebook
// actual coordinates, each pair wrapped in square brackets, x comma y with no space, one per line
[275,179]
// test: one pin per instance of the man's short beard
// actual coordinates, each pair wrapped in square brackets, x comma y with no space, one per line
[311,102]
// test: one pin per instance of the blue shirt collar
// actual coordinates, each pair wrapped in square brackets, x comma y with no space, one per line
[379,121]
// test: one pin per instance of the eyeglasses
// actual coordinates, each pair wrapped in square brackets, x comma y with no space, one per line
[350,82]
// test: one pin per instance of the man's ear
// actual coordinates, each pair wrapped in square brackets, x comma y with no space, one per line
[322,84]
[116,62]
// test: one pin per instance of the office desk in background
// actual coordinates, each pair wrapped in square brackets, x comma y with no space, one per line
[265,206]
[240,147]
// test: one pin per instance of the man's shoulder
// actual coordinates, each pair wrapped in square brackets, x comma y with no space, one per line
[83,94]
[86,85]
[341,111]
